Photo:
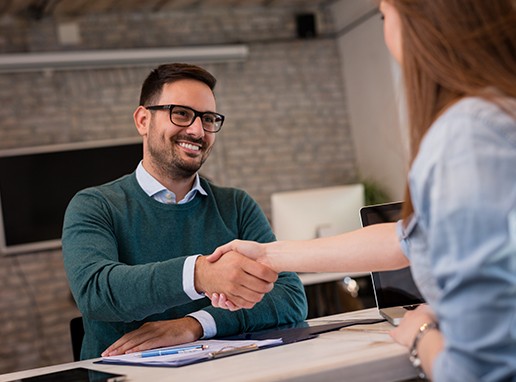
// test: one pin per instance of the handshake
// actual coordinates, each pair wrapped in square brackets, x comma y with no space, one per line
[236,275]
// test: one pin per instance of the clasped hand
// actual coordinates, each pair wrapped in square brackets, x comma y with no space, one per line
[242,280]
[254,252]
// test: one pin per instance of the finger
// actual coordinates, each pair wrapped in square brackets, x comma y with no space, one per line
[217,254]
[259,271]
[122,348]
[131,339]
[220,302]
[225,303]
[232,307]
[246,290]
[246,303]
[147,337]
[256,285]
[150,343]
[114,348]
[215,300]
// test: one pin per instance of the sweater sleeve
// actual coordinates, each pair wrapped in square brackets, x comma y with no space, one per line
[286,303]
[105,288]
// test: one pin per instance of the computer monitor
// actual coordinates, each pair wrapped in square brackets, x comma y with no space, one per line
[307,214]
[36,184]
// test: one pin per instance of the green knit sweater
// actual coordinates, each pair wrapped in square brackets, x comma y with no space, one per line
[124,254]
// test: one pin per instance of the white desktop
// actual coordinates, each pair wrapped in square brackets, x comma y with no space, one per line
[318,212]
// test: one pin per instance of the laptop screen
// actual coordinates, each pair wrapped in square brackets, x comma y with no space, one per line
[391,288]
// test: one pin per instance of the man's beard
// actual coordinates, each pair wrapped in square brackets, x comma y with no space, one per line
[169,162]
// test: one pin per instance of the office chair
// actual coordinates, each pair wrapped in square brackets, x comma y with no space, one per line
[77,335]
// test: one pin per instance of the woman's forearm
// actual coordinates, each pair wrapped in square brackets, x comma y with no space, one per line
[368,249]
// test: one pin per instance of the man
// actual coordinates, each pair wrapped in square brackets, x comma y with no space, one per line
[131,247]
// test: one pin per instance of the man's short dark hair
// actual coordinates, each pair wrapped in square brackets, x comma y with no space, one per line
[168,73]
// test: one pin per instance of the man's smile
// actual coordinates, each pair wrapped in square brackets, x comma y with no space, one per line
[190,146]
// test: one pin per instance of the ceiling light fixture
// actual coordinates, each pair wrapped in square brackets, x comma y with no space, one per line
[117,58]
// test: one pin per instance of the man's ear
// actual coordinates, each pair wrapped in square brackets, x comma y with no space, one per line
[141,118]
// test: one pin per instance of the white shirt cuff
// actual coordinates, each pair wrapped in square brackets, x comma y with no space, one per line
[207,322]
[188,278]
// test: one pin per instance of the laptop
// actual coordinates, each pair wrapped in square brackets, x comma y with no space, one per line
[395,291]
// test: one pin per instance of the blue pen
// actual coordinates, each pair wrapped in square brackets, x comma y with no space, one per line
[184,349]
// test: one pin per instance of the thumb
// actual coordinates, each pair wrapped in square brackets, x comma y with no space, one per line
[217,254]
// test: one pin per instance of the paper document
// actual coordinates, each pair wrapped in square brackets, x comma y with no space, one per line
[208,349]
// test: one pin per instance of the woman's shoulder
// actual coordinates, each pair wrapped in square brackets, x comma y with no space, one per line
[474,118]
[495,110]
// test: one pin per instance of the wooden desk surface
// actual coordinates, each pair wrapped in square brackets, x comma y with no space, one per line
[356,353]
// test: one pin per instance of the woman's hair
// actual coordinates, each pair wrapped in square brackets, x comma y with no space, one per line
[452,49]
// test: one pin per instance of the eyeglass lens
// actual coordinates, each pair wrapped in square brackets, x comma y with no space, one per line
[182,116]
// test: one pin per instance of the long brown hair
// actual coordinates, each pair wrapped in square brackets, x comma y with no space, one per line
[452,49]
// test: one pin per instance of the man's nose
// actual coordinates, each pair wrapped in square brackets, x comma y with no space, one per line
[196,128]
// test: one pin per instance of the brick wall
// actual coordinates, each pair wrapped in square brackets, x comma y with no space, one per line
[287,128]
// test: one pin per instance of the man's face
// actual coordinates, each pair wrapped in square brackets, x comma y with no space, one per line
[179,152]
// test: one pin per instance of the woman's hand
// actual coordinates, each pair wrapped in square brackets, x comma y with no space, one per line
[429,345]
[406,331]
[251,249]
[221,301]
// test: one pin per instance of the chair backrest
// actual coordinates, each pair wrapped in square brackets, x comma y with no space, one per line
[77,335]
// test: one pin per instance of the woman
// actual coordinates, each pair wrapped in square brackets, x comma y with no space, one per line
[459,222]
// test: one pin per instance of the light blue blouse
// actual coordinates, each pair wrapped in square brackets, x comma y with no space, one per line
[461,240]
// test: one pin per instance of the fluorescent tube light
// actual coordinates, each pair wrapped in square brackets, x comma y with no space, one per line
[123,57]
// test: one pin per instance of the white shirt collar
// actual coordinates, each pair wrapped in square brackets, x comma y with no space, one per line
[155,189]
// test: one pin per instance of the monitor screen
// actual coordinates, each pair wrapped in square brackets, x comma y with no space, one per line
[36,185]
[318,212]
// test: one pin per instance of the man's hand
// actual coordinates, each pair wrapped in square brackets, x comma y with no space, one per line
[243,281]
[251,249]
[157,334]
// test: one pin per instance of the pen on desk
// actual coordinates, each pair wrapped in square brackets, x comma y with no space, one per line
[224,352]
[180,350]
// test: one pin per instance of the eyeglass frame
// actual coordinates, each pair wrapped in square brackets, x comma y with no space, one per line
[170,107]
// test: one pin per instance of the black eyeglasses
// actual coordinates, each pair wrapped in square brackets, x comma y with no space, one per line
[184,116]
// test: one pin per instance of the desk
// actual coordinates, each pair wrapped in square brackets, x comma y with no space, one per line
[357,353]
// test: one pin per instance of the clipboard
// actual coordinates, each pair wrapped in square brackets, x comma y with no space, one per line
[238,344]
[211,349]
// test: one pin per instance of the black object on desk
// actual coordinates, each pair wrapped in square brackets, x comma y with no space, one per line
[78,374]
[301,331]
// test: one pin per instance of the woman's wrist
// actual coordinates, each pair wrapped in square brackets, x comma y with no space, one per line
[271,250]
[414,349]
